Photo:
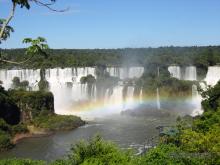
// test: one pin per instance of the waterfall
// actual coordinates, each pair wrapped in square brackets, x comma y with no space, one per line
[33,76]
[69,93]
[125,72]
[175,71]
[213,75]
[158,99]
[129,103]
[141,96]
[190,73]
[116,98]
[196,101]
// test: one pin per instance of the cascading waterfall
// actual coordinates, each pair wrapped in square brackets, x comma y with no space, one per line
[175,71]
[69,93]
[190,73]
[158,99]
[129,97]
[125,72]
[64,96]
[33,76]
[196,101]
[213,75]
[141,96]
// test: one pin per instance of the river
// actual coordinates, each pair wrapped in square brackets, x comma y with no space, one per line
[127,132]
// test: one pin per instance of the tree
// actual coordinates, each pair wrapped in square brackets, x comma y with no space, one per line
[37,46]
[5,29]
[6,32]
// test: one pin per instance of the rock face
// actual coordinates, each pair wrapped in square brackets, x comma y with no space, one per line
[9,111]
[31,104]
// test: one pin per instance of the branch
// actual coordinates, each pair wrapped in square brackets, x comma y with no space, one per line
[11,15]
[47,5]
[13,62]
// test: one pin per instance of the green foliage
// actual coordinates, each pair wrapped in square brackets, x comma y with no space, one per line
[8,109]
[34,102]
[212,98]
[89,79]
[170,135]
[172,155]
[7,31]
[5,140]
[150,58]
[54,122]
[207,121]
[43,85]
[199,137]
[26,3]
[22,3]
[208,142]
[37,46]
[17,84]
[4,126]
[97,151]
[161,155]
[19,128]
[16,161]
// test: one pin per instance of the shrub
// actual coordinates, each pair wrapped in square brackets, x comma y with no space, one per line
[21,162]
[57,122]
[4,126]
[19,128]
[96,151]
[5,141]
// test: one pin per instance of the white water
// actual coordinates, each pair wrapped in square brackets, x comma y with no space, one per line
[196,101]
[158,99]
[187,73]
[141,96]
[69,92]
[190,73]
[213,75]
[67,96]
[175,71]
[126,72]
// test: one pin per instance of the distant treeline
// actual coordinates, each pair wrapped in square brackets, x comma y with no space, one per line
[147,57]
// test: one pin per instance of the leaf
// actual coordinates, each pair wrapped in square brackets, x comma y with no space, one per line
[27,40]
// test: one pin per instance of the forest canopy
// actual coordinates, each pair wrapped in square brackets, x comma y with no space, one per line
[202,57]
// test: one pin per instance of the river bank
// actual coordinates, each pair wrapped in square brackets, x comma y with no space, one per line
[41,126]
[127,132]
[36,132]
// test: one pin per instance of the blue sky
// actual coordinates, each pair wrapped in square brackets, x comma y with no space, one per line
[118,23]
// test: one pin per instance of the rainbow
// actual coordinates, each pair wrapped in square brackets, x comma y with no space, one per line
[102,107]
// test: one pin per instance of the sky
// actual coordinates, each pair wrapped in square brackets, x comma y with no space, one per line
[117,23]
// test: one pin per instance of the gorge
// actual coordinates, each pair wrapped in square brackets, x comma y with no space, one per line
[72,97]
[70,93]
